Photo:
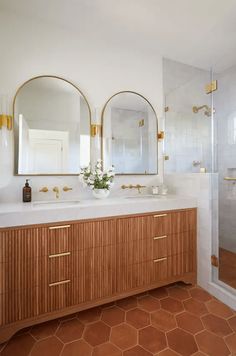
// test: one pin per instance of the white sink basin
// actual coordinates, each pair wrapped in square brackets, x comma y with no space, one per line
[56,203]
[146,196]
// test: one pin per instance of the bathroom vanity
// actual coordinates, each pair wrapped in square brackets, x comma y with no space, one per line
[48,270]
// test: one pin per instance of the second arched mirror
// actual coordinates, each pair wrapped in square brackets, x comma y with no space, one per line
[129,141]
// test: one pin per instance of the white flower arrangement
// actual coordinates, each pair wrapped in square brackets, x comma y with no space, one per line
[97,178]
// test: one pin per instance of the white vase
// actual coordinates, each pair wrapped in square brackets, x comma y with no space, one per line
[101,193]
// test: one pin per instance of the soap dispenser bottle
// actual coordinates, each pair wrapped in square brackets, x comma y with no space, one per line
[27,192]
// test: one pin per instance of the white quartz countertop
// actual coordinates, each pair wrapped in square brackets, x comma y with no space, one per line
[19,214]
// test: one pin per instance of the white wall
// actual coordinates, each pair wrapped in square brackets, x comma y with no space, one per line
[188,135]
[31,48]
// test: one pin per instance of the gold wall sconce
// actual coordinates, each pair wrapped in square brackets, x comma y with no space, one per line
[95,130]
[161,135]
[6,121]
[5,118]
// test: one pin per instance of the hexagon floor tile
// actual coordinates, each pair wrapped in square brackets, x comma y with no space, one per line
[168,321]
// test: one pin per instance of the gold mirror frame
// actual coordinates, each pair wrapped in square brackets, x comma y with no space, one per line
[102,124]
[13,111]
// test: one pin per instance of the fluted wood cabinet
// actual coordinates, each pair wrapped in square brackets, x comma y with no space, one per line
[51,270]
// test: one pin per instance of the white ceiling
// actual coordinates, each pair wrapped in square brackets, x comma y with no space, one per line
[197,32]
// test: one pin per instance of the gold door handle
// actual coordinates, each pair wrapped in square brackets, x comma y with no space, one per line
[160,259]
[230,178]
[159,215]
[159,237]
[59,255]
[59,227]
[59,283]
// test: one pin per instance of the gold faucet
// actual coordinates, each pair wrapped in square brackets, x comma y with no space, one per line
[130,186]
[66,189]
[44,190]
[56,190]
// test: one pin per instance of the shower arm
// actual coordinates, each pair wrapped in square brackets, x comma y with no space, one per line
[197,108]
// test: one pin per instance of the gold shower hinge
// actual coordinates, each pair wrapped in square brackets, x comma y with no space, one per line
[95,130]
[161,135]
[214,261]
[141,123]
[6,120]
[167,108]
[211,87]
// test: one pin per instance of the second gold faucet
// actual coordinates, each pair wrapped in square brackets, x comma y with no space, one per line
[56,190]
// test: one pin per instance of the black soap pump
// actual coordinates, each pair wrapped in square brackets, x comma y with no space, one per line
[27,192]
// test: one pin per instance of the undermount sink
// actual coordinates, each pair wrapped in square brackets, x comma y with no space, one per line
[146,196]
[56,202]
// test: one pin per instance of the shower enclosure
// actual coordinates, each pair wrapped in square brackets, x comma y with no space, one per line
[200,136]
[225,164]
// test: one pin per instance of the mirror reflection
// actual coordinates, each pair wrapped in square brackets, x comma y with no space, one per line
[129,140]
[52,127]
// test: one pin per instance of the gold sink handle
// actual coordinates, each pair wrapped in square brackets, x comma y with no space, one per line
[43,190]
[67,189]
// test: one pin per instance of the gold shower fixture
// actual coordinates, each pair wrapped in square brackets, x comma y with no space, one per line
[207,109]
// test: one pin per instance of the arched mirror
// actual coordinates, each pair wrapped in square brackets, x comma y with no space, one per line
[129,141]
[51,127]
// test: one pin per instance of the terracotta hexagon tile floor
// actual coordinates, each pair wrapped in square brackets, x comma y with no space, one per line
[152,339]
[138,318]
[178,293]
[113,316]
[163,320]
[149,303]
[212,344]
[216,325]
[172,305]
[169,321]
[189,322]
[182,342]
[70,330]
[124,336]
[97,333]
[77,348]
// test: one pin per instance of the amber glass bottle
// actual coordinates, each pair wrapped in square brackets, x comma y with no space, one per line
[27,195]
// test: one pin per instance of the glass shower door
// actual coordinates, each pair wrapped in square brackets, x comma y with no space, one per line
[225,154]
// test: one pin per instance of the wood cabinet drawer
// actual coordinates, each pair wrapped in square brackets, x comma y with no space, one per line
[173,266]
[58,295]
[55,239]
[161,224]
[174,222]
[168,245]
[160,246]
[55,269]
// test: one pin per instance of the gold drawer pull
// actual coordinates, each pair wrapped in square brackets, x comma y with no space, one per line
[159,215]
[59,283]
[159,237]
[59,254]
[59,227]
[160,259]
